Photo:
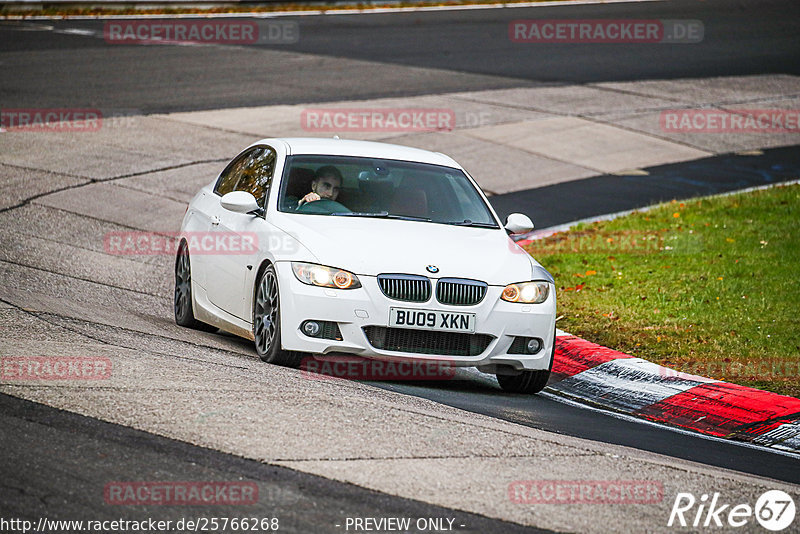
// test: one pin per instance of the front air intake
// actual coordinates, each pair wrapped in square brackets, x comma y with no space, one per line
[426,341]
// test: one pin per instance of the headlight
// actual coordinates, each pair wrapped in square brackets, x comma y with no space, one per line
[319,275]
[527,292]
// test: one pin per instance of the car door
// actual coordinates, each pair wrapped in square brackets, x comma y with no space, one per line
[237,235]
[205,218]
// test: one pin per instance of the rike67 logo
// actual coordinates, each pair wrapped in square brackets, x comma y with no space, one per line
[774,510]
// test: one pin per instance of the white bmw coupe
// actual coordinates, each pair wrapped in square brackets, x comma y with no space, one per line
[327,247]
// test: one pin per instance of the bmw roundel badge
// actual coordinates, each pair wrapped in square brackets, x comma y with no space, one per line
[432,269]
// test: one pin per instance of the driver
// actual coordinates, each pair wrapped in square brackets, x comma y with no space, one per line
[326,184]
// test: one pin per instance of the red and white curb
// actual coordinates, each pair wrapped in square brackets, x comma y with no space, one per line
[612,380]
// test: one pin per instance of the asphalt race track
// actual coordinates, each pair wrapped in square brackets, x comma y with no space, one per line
[186,405]
[599,195]
[345,57]
[95,452]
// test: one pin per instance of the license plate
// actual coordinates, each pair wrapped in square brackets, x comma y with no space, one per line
[432,320]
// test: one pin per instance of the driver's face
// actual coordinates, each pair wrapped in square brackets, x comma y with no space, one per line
[327,186]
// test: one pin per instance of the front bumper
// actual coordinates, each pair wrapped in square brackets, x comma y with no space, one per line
[355,309]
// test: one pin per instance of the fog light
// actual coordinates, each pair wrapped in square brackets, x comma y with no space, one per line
[310,328]
[533,345]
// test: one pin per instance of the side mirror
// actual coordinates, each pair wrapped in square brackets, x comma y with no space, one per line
[239,201]
[517,223]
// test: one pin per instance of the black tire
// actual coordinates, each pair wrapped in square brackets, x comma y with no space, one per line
[528,382]
[267,322]
[182,303]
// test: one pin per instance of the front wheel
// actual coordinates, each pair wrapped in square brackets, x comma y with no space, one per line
[267,322]
[526,382]
[529,382]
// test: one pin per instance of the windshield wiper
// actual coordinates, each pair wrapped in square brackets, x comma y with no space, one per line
[467,222]
[381,215]
[408,218]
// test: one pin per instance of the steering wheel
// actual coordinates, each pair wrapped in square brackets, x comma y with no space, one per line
[322,207]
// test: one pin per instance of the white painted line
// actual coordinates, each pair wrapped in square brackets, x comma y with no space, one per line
[786,433]
[76,31]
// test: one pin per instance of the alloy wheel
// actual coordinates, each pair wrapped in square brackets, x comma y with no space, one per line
[266,313]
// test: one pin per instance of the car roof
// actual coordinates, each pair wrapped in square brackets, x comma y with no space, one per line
[369,149]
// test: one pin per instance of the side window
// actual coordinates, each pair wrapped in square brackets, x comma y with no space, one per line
[252,171]
[227,180]
[256,175]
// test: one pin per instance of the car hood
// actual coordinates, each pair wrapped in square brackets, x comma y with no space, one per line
[368,246]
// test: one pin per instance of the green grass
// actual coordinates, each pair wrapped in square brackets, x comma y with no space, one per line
[706,286]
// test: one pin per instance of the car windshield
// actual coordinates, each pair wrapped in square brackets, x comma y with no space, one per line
[366,187]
